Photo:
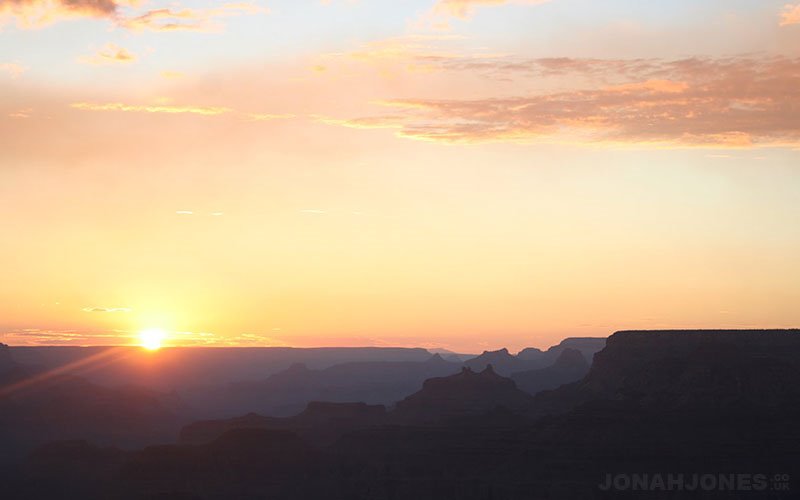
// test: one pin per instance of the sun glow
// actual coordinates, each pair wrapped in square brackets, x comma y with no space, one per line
[151,338]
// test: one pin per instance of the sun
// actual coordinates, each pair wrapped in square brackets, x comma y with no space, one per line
[151,338]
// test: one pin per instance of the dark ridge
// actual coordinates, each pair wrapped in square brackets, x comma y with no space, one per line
[570,366]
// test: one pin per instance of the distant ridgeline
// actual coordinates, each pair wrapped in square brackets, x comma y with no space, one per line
[721,404]
[217,382]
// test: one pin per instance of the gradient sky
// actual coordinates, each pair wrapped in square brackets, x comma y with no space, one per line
[464,174]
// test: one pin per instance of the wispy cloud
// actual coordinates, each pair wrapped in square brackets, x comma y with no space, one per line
[39,13]
[21,113]
[109,54]
[42,336]
[164,107]
[367,122]
[156,108]
[12,69]
[189,19]
[731,102]
[172,75]
[262,117]
[106,309]
[790,15]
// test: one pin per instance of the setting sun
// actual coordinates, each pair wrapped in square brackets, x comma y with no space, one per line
[151,338]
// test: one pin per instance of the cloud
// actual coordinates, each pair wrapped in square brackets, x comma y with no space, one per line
[21,113]
[168,20]
[41,336]
[106,309]
[262,117]
[730,102]
[367,122]
[172,75]
[166,108]
[437,53]
[409,54]
[156,108]
[189,19]
[502,66]
[38,13]
[38,336]
[658,86]
[464,8]
[13,69]
[790,15]
[110,54]
[190,212]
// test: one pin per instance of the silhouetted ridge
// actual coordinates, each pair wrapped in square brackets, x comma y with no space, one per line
[320,422]
[71,408]
[7,363]
[570,357]
[530,354]
[436,359]
[288,392]
[297,368]
[706,402]
[183,368]
[532,358]
[234,460]
[462,394]
[321,410]
[692,370]
[501,360]
[570,366]
[259,439]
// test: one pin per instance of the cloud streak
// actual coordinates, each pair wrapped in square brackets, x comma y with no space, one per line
[110,54]
[106,309]
[732,102]
[174,109]
[156,108]
[189,19]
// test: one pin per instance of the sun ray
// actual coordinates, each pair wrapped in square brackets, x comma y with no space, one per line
[101,358]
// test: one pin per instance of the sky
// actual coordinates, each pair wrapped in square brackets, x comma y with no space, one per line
[456,174]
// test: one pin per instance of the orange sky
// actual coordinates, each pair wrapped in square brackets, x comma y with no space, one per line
[462,174]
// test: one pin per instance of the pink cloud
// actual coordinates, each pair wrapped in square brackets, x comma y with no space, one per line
[732,102]
[37,13]
[790,15]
